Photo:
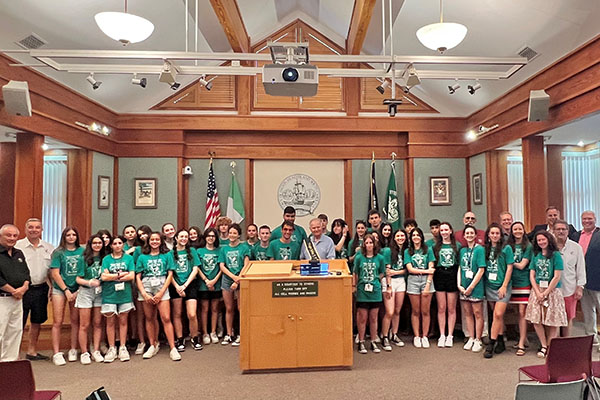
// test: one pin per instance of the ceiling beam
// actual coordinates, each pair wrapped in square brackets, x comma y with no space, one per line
[231,20]
[359,23]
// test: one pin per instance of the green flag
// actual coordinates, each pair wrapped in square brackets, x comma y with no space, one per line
[392,208]
[235,204]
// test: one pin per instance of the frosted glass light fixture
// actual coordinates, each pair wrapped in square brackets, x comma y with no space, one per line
[442,36]
[124,27]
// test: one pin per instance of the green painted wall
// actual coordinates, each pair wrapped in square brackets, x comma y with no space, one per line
[102,165]
[199,181]
[165,170]
[477,166]
[361,173]
[435,167]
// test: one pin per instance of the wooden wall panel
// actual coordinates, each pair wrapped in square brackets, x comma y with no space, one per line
[497,187]
[535,187]
[372,101]
[8,155]
[194,96]
[555,174]
[79,191]
[29,178]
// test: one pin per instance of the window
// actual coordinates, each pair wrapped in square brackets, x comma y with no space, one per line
[514,171]
[581,171]
[54,208]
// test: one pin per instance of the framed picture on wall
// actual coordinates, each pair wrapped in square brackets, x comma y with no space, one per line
[439,191]
[144,190]
[103,192]
[477,189]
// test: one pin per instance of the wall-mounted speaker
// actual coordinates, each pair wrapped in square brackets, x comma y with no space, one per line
[539,105]
[16,98]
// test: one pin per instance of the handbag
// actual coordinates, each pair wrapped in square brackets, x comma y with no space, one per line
[98,394]
[592,389]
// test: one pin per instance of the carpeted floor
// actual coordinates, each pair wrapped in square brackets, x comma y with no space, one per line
[214,373]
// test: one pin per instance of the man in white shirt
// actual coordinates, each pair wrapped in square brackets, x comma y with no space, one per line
[323,244]
[573,278]
[35,302]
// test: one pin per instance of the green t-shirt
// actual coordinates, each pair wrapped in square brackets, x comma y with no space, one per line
[419,260]
[369,271]
[470,262]
[259,253]
[184,266]
[544,267]
[398,266]
[520,277]
[447,257]
[112,291]
[223,242]
[155,266]
[233,257]
[69,262]
[283,251]
[386,252]
[297,237]
[430,243]
[352,246]
[92,271]
[495,271]
[209,264]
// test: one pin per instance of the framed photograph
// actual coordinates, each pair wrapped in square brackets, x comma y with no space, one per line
[144,190]
[477,189]
[103,192]
[439,191]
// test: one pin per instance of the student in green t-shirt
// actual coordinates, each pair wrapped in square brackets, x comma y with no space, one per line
[89,299]
[434,228]
[369,269]
[223,223]
[546,308]
[233,257]
[196,237]
[521,287]
[130,235]
[66,261]
[118,273]
[498,273]
[360,230]
[470,285]
[397,272]
[284,248]
[341,238]
[136,317]
[184,286]
[209,290]
[259,252]
[154,272]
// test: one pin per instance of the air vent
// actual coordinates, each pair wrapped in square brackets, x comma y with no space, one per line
[31,42]
[309,75]
[528,53]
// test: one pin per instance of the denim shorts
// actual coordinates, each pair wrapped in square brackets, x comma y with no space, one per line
[153,289]
[110,309]
[416,284]
[88,298]
[492,294]
[226,283]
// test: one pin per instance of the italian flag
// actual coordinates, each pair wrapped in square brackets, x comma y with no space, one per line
[235,204]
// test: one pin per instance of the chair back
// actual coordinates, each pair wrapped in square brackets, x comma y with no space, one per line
[551,391]
[16,380]
[569,358]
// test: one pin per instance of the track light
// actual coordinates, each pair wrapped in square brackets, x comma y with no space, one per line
[384,85]
[138,81]
[480,131]
[95,84]
[45,147]
[169,75]
[175,85]
[410,76]
[473,88]
[207,84]
[452,89]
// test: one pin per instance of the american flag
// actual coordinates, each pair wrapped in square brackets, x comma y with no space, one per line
[213,210]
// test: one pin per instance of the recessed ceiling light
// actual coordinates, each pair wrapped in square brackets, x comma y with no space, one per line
[580,143]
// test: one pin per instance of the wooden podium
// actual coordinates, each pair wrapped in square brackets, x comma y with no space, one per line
[289,321]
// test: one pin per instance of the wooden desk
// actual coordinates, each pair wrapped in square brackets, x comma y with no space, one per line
[284,325]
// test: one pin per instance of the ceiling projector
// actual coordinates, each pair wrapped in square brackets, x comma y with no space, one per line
[290,79]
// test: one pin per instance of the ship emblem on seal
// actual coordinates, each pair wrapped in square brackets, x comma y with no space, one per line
[301,192]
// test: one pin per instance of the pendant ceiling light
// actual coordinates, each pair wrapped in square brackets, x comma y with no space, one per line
[124,27]
[442,36]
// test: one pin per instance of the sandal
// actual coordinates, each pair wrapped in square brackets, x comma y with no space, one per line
[520,351]
[516,345]
[542,352]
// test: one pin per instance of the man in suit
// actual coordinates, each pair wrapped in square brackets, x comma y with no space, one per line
[589,240]
[552,215]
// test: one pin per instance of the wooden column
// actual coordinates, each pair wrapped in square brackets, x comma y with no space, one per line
[29,178]
[555,182]
[352,96]
[535,185]
[243,94]
[7,182]
[497,184]
[79,191]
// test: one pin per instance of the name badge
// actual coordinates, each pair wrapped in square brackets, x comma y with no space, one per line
[493,276]
[119,286]
[543,284]
[154,282]
[98,289]
[368,287]
[469,274]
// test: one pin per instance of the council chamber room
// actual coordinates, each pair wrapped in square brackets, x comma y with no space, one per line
[281,198]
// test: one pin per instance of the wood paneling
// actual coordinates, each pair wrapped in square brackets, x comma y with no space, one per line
[231,20]
[359,24]
[497,184]
[427,144]
[352,96]
[409,188]
[348,217]
[29,178]
[372,101]
[243,94]
[79,191]
[555,175]
[249,191]
[8,154]
[535,187]
[222,96]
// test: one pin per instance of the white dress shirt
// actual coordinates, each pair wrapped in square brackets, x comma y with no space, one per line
[573,274]
[38,259]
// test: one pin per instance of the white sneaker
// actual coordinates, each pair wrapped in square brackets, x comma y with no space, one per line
[123,354]
[85,358]
[72,355]
[156,349]
[374,347]
[111,354]
[397,341]
[214,338]
[220,330]
[442,341]
[356,340]
[417,342]
[103,348]
[425,342]
[59,359]
[149,353]
[206,339]
[174,354]
[97,356]
[469,344]
[449,341]
[236,342]
[226,340]
[140,348]
[477,346]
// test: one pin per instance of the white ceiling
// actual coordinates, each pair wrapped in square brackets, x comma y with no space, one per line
[496,29]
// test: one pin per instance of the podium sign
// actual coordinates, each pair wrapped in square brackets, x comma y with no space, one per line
[295,289]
